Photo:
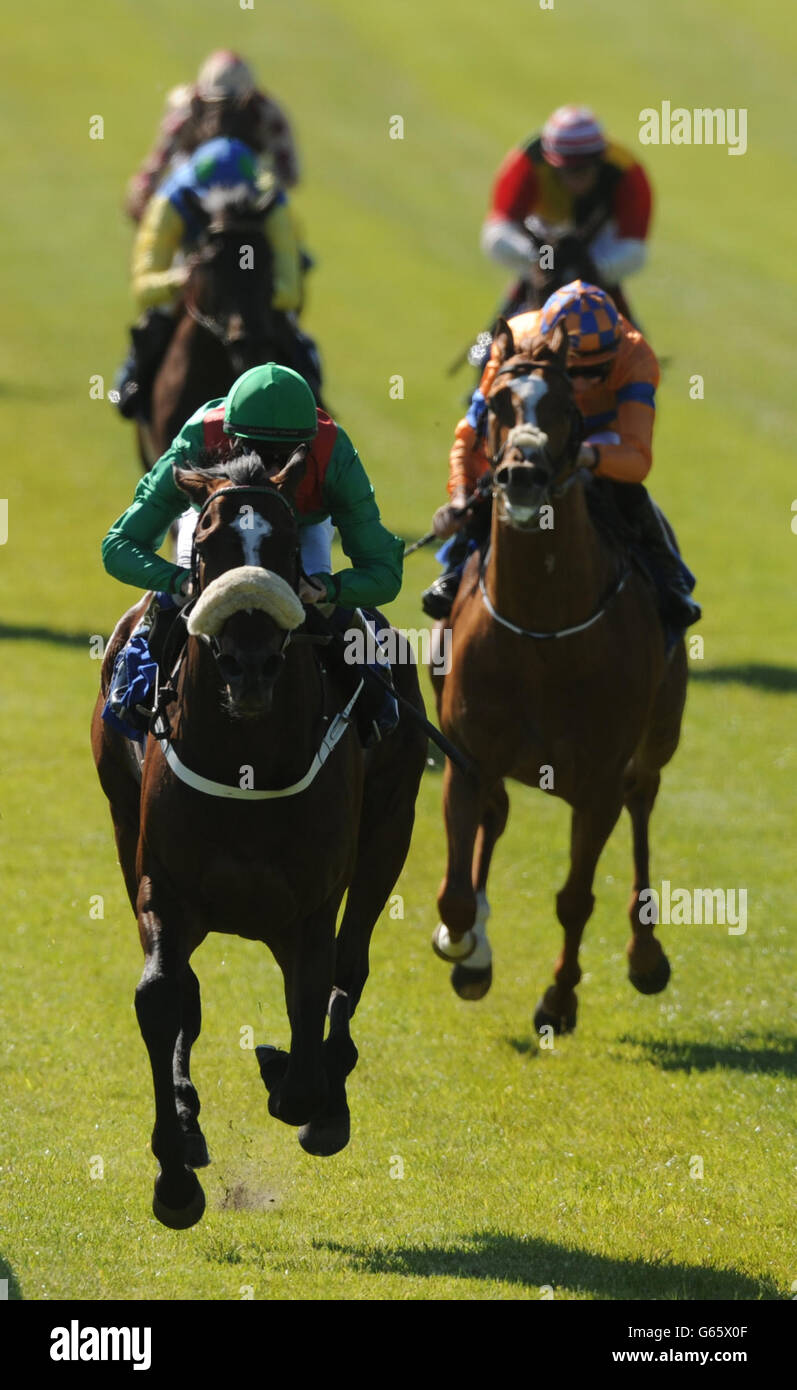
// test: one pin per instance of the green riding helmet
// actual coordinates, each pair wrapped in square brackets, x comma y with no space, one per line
[273,403]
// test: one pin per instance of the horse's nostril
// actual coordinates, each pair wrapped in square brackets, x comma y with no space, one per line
[230,668]
[271,666]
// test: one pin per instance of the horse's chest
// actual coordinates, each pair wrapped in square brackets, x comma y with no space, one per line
[239,895]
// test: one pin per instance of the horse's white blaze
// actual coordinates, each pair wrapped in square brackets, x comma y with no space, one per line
[252,529]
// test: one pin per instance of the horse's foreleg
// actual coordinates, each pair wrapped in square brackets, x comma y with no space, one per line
[590,829]
[463,806]
[298,1085]
[188,1107]
[329,1131]
[648,967]
[179,1200]
[472,978]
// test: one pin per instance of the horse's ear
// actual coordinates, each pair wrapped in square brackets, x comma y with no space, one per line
[502,334]
[549,349]
[559,343]
[291,474]
[194,484]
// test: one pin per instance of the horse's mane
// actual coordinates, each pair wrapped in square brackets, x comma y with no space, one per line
[243,470]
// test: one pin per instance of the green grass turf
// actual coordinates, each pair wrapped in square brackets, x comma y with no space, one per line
[522,1168]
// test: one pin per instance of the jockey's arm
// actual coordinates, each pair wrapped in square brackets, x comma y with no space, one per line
[281,235]
[620,247]
[630,460]
[156,281]
[377,555]
[129,549]
[468,460]
[278,141]
[515,192]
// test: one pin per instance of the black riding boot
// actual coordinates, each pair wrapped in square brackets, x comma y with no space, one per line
[150,339]
[678,608]
[438,600]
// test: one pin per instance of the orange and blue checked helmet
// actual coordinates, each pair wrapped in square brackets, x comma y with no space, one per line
[589,318]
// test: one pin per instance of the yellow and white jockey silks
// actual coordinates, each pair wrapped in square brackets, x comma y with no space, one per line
[169,226]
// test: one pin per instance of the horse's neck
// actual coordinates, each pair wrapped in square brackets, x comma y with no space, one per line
[278,746]
[552,578]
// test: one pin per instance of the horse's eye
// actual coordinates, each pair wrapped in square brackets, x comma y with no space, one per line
[502,407]
[206,522]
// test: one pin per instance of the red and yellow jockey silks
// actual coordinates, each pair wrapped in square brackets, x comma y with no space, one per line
[168,226]
[624,405]
[526,183]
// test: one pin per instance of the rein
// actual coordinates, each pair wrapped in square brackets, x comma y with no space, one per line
[617,588]
[211,325]
[219,492]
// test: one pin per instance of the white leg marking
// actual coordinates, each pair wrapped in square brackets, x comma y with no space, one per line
[452,950]
[482,954]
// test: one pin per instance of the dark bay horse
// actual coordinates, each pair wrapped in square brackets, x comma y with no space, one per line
[225,323]
[255,811]
[559,678]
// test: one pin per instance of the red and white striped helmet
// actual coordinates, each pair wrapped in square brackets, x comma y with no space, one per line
[571,136]
[225,77]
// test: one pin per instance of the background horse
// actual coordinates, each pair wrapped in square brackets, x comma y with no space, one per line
[559,678]
[249,711]
[225,323]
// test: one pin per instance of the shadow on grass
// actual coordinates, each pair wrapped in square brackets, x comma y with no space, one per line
[775,1055]
[533,1263]
[12,633]
[6,1272]
[525,1047]
[756,674]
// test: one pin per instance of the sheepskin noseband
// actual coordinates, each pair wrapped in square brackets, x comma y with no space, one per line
[526,436]
[240,590]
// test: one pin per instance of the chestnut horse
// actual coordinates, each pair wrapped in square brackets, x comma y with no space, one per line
[255,811]
[559,678]
[225,323]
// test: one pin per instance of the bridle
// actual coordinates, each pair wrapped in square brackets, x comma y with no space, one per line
[542,455]
[212,642]
[337,726]
[207,321]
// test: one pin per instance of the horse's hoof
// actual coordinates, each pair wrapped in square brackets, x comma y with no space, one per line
[471,984]
[273,1065]
[196,1151]
[561,1023]
[179,1218]
[323,1138]
[655,980]
[452,951]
